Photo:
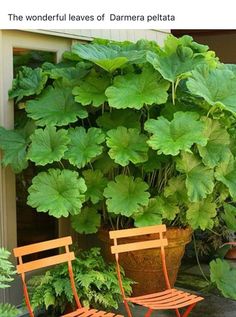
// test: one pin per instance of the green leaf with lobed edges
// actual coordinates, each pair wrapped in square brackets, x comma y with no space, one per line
[229,216]
[127,145]
[199,178]
[69,75]
[217,147]
[224,276]
[119,117]
[176,189]
[84,145]
[58,192]
[226,173]
[137,90]
[201,214]
[96,183]
[28,82]
[14,146]
[92,89]
[106,57]
[87,221]
[48,145]
[126,195]
[55,106]
[149,215]
[170,137]
[217,87]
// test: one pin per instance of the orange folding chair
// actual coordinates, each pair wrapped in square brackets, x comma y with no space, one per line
[171,298]
[67,256]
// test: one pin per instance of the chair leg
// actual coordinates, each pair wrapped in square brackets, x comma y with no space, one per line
[149,312]
[127,309]
[177,313]
[188,310]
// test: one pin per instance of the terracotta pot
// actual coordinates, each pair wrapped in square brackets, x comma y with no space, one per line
[145,266]
[231,253]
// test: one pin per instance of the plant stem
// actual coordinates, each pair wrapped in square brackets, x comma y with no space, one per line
[173,92]
[197,258]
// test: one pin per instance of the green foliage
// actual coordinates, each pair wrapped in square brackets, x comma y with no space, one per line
[92,90]
[179,134]
[62,110]
[6,268]
[96,283]
[125,195]
[8,310]
[229,216]
[87,221]
[137,90]
[84,145]
[14,145]
[129,134]
[57,192]
[7,271]
[127,145]
[28,82]
[224,276]
[48,145]
[216,86]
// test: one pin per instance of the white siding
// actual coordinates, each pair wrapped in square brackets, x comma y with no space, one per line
[111,34]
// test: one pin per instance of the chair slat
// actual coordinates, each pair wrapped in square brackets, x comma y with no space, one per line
[115,234]
[138,246]
[38,264]
[42,246]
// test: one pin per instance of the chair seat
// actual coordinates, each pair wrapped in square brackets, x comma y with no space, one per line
[88,312]
[169,299]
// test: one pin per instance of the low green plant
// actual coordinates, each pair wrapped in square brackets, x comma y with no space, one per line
[6,276]
[96,283]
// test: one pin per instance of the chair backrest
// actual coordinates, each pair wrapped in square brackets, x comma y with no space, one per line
[27,266]
[158,241]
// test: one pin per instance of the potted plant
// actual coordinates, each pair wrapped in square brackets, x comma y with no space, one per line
[128,134]
[96,284]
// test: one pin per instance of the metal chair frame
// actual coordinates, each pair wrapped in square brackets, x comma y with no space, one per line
[171,298]
[67,256]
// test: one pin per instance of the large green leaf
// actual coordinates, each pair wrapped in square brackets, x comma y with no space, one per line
[58,192]
[125,195]
[14,146]
[87,221]
[149,215]
[127,145]
[176,189]
[226,173]
[201,214]
[119,117]
[176,64]
[28,82]
[229,216]
[217,87]
[48,145]
[170,137]
[55,106]
[84,146]
[69,75]
[215,151]
[95,182]
[199,178]
[167,207]
[104,56]
[92,89]
[224,276]
[137,90]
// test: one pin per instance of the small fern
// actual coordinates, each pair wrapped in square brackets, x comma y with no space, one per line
[96,283]
[7,272]
[8,310]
